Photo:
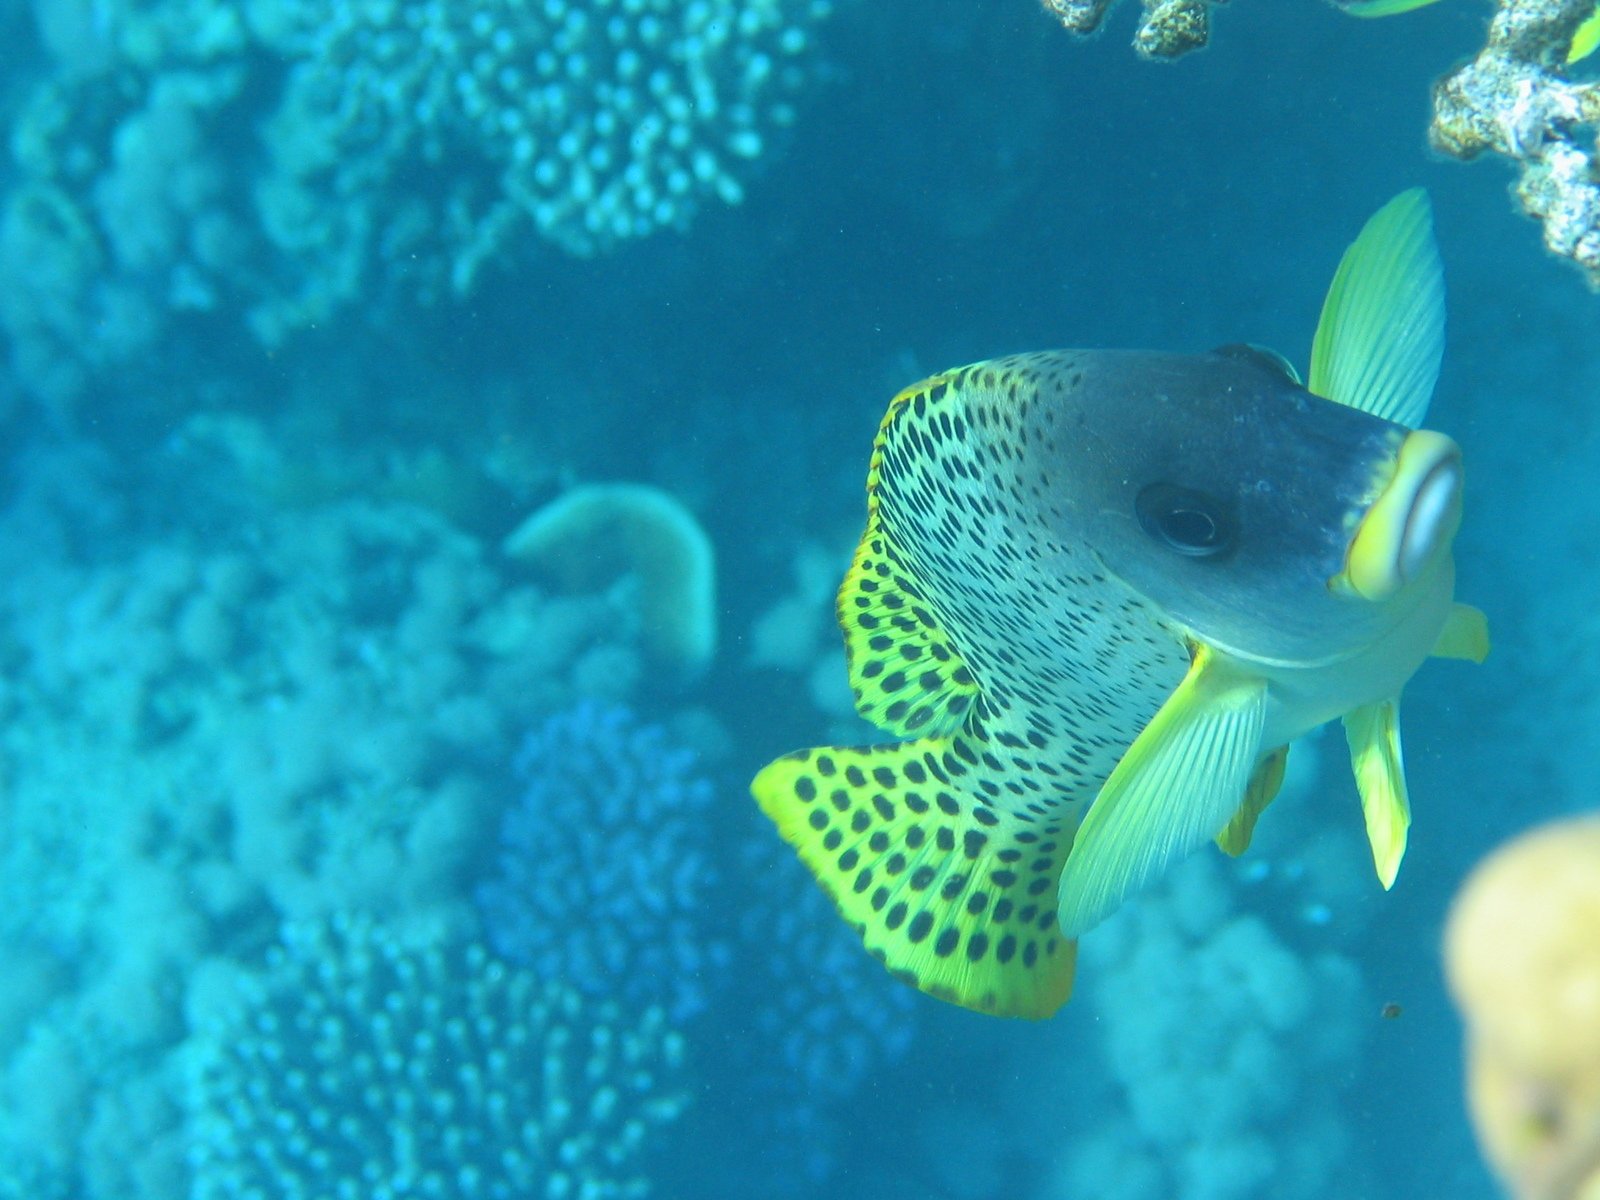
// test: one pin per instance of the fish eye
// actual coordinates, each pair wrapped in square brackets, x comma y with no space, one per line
[1185,520]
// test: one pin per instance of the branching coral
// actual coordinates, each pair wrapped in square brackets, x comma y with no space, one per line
[288,158]
[358,1066]
[1518,99]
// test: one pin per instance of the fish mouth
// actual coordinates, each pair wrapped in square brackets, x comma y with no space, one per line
[1410,524]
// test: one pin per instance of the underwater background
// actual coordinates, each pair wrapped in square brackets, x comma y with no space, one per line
[420,514]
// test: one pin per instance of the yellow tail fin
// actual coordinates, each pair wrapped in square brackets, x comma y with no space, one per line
[955,896]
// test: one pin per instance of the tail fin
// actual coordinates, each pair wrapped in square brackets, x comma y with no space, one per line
[955,896]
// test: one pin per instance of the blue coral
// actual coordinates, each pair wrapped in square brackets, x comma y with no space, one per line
[359,1067]
[825,1014]
[602,874]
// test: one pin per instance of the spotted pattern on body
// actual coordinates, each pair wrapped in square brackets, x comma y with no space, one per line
[1021,669]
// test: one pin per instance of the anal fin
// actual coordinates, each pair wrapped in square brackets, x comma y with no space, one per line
[955,896]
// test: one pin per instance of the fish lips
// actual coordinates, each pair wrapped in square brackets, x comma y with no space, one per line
[1411,523]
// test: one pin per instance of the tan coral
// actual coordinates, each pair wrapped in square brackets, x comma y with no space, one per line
[1523,955]
[1517,98]
[600,534]
[1167,28]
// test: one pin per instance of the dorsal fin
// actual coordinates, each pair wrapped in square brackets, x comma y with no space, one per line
[906,674]
[1262,356]
[1381,336]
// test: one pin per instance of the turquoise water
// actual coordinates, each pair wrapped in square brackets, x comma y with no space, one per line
[349,846]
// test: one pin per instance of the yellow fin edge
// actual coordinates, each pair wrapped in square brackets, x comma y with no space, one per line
[1465,635]
[955,897]
[1373,732]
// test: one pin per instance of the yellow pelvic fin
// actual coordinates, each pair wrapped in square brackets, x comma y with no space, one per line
[1373,731]
[1465,635]
[1381,335]
[1262,789]
[1382,8]
[906,674]
[1176,786]
[954,896]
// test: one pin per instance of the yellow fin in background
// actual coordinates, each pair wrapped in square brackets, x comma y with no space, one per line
[1380,338]
[904,671]
[1373,731]
[1382,8]
[1262,789]
[1177,785]
[1586,38]
[1465,635]
[955,896]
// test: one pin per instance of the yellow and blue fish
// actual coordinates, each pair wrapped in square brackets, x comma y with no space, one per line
[1098,595]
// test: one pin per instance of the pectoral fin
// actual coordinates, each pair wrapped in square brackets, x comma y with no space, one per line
[1373,731]
[1465,635]
[1176,786]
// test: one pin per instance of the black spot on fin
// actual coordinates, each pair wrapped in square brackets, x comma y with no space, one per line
[956,896]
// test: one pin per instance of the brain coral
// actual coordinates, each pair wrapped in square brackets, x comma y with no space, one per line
[358,1067]
[602,873]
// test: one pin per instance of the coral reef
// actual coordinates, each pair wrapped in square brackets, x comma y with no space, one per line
[799,634]
[297,705]
[1167,28]
[825,1017]
[1517,99]
[395,149]
[605,879]
[1216,1032]
[597,535]
[1523,952]
[358,1066]
[602,874]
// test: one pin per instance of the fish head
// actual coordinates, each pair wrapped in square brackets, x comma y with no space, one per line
[1258,518]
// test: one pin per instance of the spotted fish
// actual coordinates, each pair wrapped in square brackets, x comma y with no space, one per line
[1099,593]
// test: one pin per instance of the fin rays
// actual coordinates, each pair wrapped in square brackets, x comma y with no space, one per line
[1177,785]
[1380,339]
